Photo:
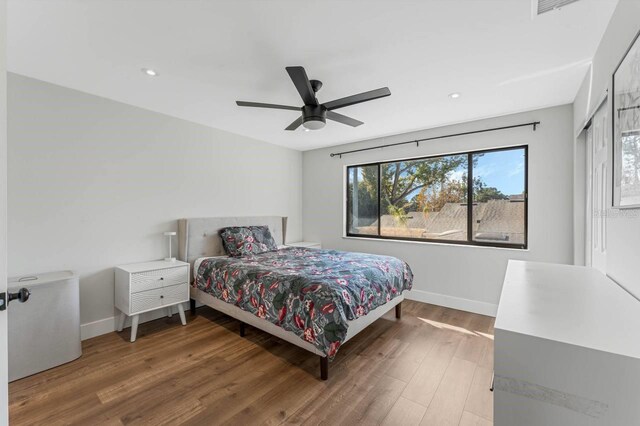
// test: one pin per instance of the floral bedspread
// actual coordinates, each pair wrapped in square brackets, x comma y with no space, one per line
[312,293]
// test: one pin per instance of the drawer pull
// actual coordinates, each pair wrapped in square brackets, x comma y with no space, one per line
[161,296]
[161,278]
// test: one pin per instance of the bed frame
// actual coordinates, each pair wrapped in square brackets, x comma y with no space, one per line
[200,238]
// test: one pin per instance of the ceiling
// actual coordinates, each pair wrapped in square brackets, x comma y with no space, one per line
[210,53]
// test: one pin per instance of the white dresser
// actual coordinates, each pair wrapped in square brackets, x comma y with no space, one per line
[567,348]
[144,287]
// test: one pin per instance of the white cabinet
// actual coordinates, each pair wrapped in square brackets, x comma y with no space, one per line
[566,348]
[144,287]
[306,244]
[44,332]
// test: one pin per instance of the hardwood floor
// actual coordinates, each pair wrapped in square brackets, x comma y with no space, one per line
[433,367]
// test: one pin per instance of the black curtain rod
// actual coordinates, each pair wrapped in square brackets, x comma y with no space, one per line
[417,141]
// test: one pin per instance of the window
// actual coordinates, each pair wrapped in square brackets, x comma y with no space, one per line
[476,198]
[362,200]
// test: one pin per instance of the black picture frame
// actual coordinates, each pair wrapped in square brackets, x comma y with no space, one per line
[625,113]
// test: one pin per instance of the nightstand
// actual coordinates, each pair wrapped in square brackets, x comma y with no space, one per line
[306,244]
[144,287]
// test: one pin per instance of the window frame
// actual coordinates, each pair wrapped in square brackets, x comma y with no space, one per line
[469,241]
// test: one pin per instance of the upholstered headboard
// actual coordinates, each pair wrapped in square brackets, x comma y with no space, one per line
[201,237]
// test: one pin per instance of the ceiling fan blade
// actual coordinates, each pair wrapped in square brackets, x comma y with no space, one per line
[356,99]
[295,124]
[301,81]
[343,119]
[261,105]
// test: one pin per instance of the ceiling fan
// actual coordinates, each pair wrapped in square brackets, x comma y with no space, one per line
[314,114]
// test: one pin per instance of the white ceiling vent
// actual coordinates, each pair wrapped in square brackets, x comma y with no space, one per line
[543,6]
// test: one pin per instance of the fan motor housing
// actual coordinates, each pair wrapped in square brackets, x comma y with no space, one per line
[314,117]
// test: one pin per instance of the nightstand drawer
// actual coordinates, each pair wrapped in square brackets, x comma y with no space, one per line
[148,280]
[157,298]
[175,294]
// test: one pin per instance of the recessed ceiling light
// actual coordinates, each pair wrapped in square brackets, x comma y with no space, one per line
[454,95]
[150,72]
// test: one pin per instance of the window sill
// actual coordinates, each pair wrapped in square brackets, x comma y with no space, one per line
[434,243]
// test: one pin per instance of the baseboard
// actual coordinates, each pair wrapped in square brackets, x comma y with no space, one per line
[97,328]
[453,302]
[109,325]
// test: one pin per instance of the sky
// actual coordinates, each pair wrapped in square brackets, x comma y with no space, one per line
[503,170]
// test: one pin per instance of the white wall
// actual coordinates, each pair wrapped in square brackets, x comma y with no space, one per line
[623,26]
[463,277]
[623,226]
[93,183]
[4,391]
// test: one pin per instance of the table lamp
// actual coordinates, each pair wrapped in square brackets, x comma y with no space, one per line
[170,234]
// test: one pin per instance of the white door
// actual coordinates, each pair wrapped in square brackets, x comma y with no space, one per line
[4,389]
[596,250]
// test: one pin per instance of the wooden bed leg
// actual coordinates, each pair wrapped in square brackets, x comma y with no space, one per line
[399,310]
[192,306]
[242,330]
[324,367]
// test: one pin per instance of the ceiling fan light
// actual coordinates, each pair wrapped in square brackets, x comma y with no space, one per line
[313,124]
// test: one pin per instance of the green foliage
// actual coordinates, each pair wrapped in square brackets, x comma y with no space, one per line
[367,196]
[483,193]
[403,179]
[433,199]
[398,213]
[419,185]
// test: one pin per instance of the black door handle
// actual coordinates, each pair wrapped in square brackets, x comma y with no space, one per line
[21,295]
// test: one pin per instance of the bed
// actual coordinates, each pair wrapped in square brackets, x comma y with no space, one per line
[314,299]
